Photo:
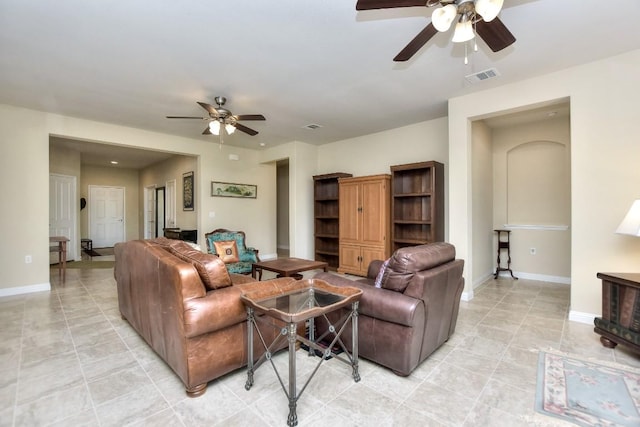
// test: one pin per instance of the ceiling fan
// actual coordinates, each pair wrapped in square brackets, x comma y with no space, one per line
[221,118]
[472,16]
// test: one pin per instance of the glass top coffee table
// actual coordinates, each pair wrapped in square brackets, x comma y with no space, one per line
[290,303]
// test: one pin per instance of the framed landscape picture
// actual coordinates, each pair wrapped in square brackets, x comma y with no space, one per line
[229,189]
[187,192]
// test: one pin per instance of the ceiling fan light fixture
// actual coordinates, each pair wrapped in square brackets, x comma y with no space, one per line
[464,31]
[488,9]
[443,17]
[214,127]
[229,128]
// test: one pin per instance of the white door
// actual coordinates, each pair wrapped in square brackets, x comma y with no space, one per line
[170,203]
[150,212]
[106,215]
[62,212]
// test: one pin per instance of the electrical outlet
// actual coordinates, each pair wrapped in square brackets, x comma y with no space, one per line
[27,259]
[532,251]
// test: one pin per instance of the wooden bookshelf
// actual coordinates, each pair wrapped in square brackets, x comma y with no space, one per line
[417,204]
[327,218]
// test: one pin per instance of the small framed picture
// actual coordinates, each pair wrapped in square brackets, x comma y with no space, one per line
[229,189]
[187,192]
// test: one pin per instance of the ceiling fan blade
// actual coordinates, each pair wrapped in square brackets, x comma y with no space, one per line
[206,131]
[246,129]
[495,34]
[387,4]
[186,117]
[414,45]
[210,109]
[249,117]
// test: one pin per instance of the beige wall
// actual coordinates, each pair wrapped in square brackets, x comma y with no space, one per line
[112,177]
[283,205]
[482,182]
[604,174]
[376,153]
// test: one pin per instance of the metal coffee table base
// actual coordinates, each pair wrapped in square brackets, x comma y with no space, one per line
[290,333]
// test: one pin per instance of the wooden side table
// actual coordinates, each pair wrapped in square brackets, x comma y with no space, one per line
[294,303]
[504,245]
[620,320]
[61,248]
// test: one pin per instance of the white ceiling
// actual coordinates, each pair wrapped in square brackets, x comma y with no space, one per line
[295,61]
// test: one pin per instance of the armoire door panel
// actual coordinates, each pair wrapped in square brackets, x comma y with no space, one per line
[350,213]
[374,217]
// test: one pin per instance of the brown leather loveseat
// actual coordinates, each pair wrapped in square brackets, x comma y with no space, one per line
[186,306]
[412,312]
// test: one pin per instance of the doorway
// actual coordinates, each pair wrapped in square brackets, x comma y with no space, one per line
[522,183]
[160,211]
[282,208]
[62,212]
[106,215]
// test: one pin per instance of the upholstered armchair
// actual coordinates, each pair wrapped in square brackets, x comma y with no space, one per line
[231,248]
[409,306]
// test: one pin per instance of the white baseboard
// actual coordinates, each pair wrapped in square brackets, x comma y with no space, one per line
[267,257]
[577,316]
[541,277]
[483,279]
[19,290]
[467,296]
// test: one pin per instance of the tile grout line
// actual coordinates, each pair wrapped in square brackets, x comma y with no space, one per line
[130,350]
[15,398]
[491,377]
[75,350]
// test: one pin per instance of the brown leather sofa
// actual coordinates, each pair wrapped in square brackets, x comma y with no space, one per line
[412,313]
[187,307]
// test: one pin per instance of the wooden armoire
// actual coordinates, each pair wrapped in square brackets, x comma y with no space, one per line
[364,233]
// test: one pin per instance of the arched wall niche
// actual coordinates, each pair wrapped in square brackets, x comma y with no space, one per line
[538,184]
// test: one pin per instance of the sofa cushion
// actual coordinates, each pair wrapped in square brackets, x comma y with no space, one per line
[405,262]
[211,269]
[227,250]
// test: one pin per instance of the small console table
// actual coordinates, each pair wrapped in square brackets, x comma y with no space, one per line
[60,246]
[504,245]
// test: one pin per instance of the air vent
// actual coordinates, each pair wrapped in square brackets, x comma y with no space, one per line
[482,76]
[312,126]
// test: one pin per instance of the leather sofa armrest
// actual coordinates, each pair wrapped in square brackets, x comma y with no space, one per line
[381,304]
[374,269]
[216,310]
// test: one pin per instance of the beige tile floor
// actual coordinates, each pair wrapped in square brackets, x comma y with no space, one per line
[68,359]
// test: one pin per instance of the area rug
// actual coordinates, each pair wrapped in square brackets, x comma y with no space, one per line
[587,393]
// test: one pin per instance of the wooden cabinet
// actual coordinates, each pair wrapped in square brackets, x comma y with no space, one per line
[326,218]
[417,204]
[364,222]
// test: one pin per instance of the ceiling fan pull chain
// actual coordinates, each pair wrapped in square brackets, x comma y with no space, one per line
[475,39]
[466,58]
